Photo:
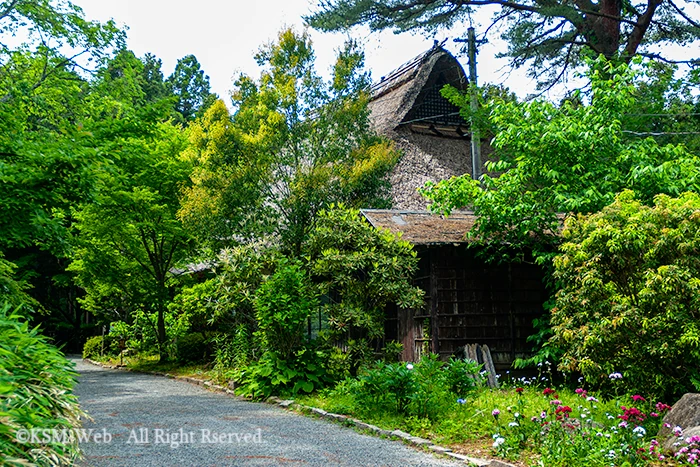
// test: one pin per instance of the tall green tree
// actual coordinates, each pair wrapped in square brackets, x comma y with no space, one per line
[549,36]
[129,237]
[45,165]
[57,34]
[554,160]
[154,86]
[225,204]
[667,108]
[294,145]
[191,87]
[13,292]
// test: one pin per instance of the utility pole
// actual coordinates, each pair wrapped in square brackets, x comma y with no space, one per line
[474,104]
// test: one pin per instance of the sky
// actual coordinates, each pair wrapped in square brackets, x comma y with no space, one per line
[225,35]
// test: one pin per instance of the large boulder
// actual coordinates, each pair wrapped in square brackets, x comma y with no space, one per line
[686,414]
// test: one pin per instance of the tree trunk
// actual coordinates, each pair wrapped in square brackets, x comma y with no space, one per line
[160,325]
[603,32]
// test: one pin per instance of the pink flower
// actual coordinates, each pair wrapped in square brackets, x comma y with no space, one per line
[495,413]
[638,398]
[555,402]
[661,407]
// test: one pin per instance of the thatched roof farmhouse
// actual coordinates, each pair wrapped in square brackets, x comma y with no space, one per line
[467,301]
[407,107]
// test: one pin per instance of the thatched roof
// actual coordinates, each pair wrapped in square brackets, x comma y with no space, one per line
[422,227]
[411,93]
[407,107]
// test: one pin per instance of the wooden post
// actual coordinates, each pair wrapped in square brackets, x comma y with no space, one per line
[434,304]
[474,105]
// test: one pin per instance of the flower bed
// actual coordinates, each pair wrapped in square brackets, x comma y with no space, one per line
[523,421]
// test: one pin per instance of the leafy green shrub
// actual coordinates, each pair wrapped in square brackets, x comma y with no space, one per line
[363,269]
[273,375]
[462,376]
[191,348]
[360,354]
[425,389]
[389,386]
[283,305]
[433,396]
[235,351]
[226,301]
[630,291]
[140,335]
[93,347]
[337,365]
[35,393]
[392,351]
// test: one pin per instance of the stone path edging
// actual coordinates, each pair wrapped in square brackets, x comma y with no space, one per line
[343,419]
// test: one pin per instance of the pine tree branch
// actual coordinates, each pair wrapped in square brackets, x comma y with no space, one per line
[683,14]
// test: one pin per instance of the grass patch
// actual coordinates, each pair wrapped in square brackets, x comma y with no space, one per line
[152,364]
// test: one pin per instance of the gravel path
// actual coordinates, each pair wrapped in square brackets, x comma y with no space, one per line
[187,425]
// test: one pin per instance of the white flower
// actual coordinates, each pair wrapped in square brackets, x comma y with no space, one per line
[498,442]
[513,424]
[615,376]
[639,431]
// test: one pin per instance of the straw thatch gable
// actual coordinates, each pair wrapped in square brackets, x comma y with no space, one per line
[408,108]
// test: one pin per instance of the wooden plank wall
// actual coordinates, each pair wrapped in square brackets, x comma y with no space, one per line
[470,302]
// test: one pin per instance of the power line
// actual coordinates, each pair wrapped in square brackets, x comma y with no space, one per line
[660,133]
[692,114]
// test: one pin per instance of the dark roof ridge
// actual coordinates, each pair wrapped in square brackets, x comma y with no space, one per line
[405,72]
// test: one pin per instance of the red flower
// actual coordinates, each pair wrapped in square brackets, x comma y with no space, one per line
[548,391]
[563,409]
[519,390]
[632,414]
